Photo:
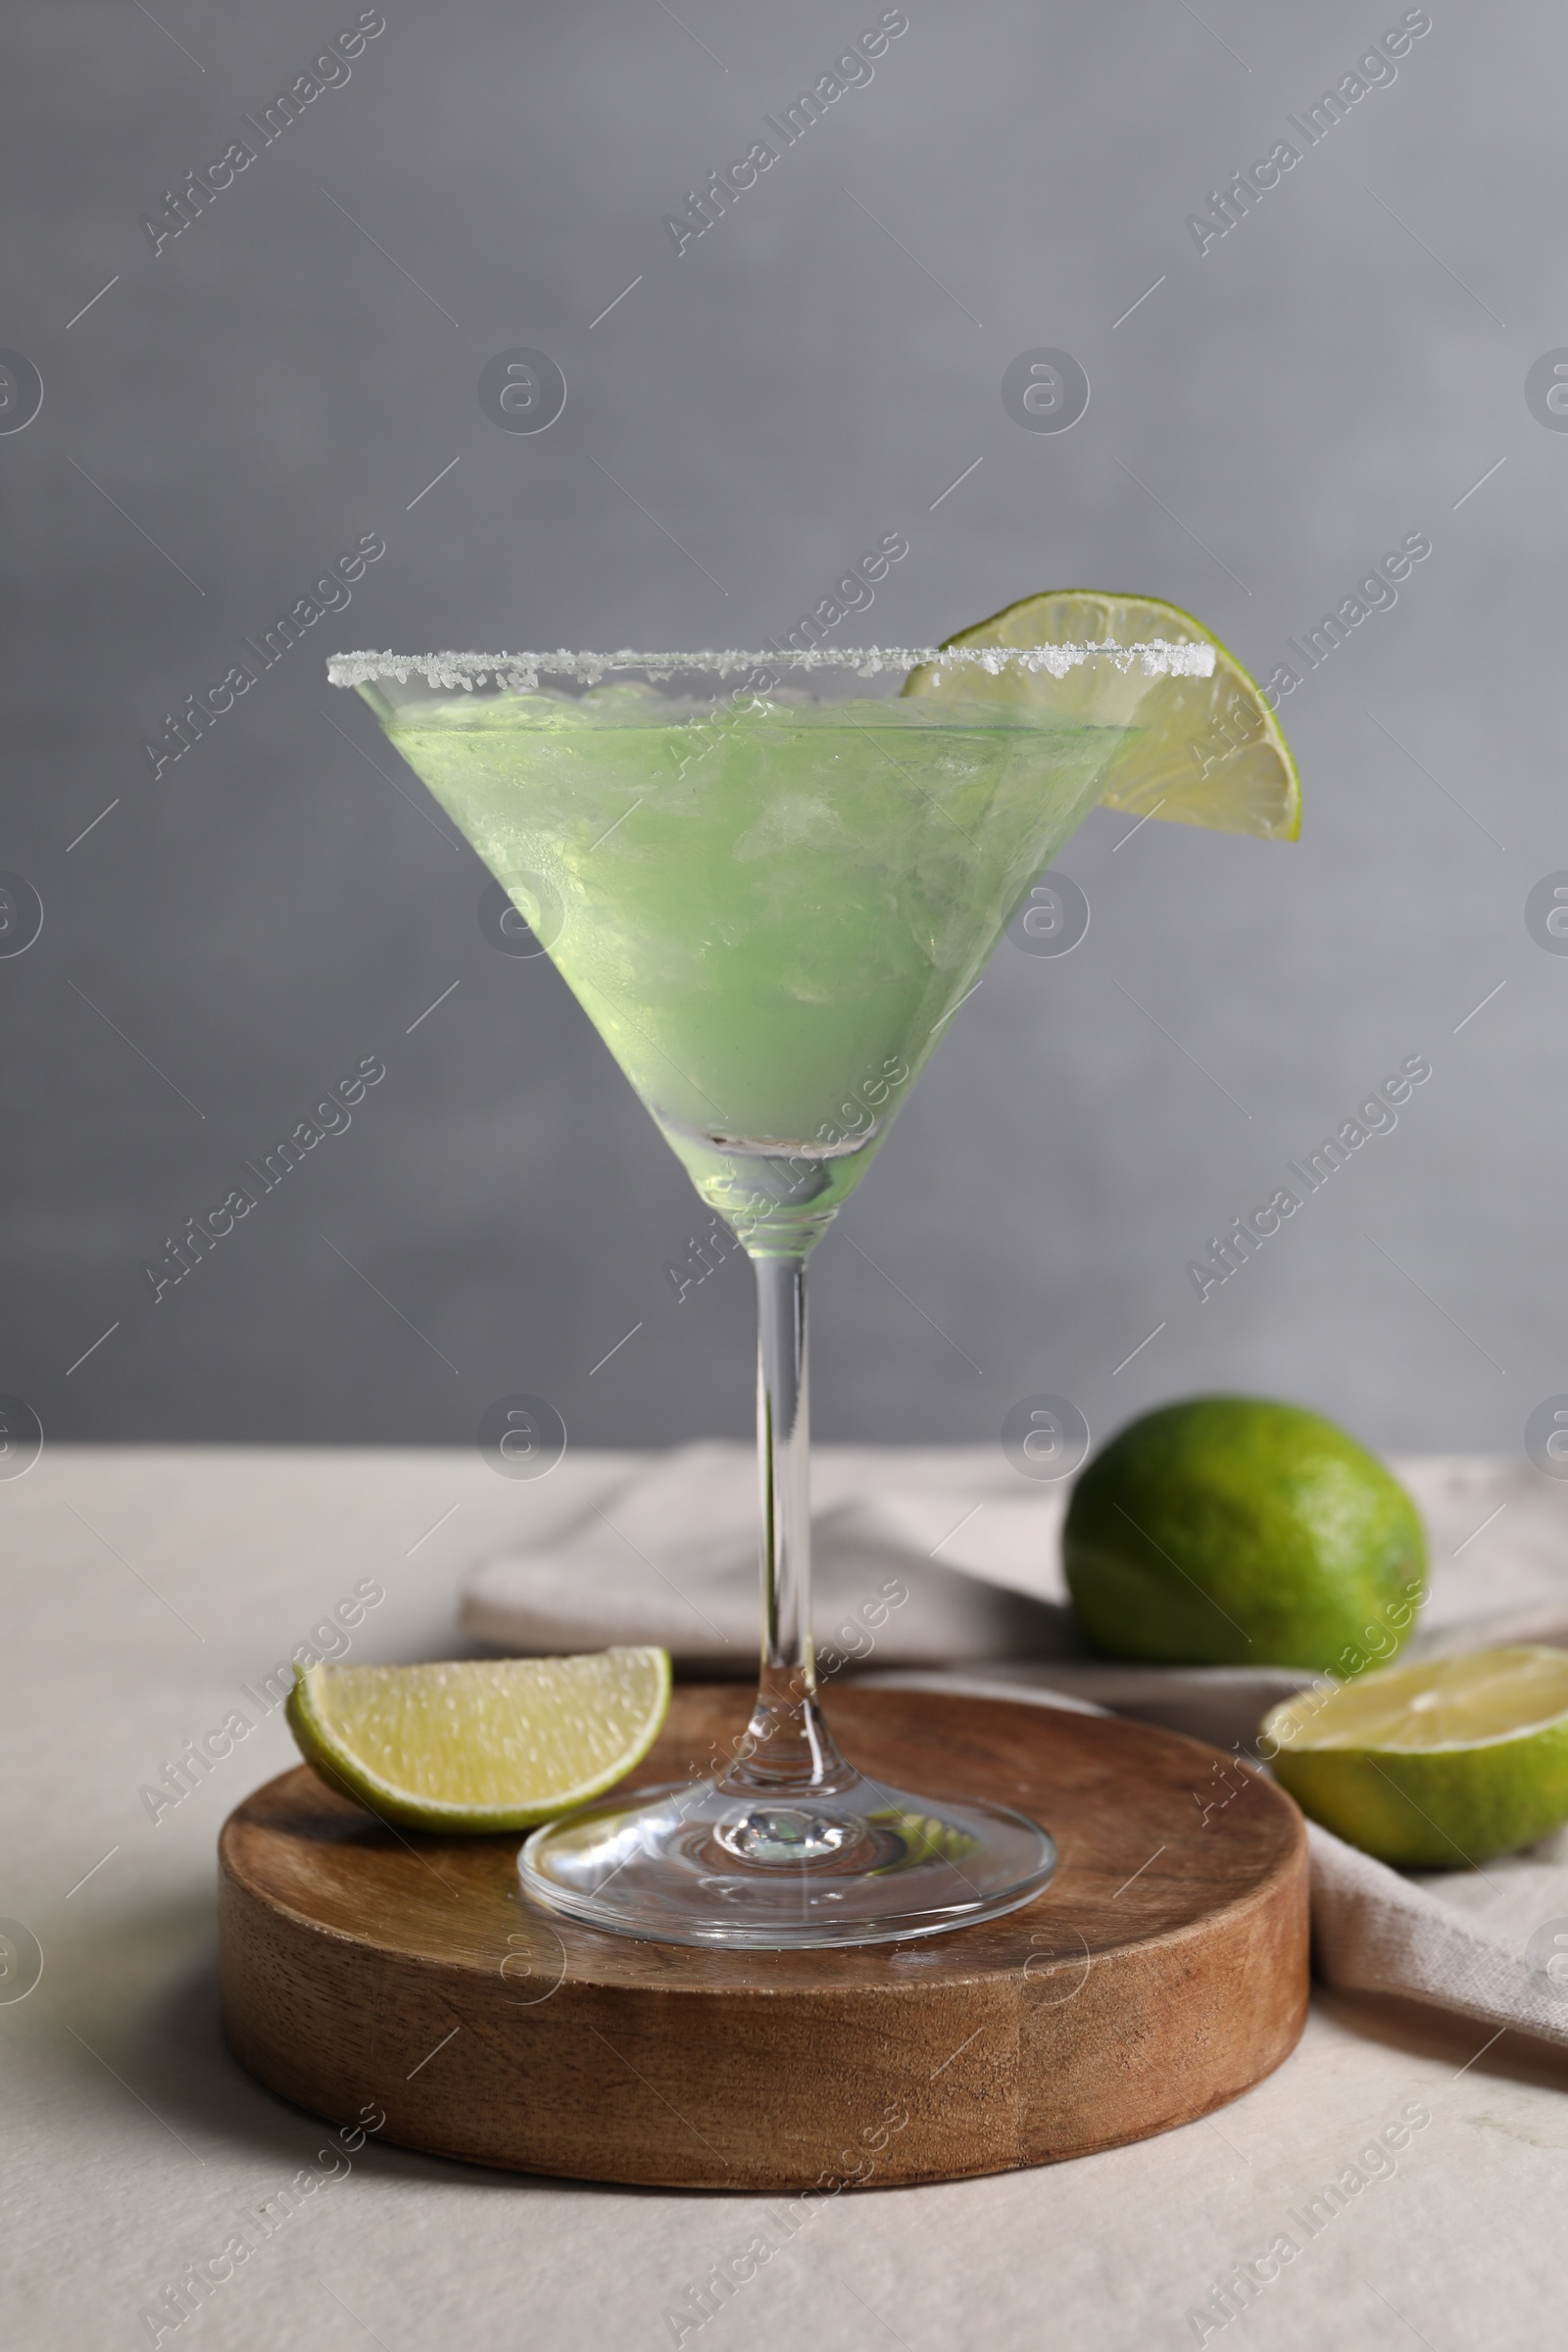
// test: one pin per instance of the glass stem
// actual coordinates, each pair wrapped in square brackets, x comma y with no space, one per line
[788,1746]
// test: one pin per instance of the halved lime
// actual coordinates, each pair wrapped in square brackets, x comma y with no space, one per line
[1204,751]
[481,1746]
[1432,1765]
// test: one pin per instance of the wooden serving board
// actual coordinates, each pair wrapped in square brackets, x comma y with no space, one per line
[1164,1970]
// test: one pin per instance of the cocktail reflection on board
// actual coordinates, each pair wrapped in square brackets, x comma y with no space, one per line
[770,879]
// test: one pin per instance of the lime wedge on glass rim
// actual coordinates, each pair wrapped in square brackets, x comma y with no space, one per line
[482,1745]
[1203,751]
[1434,1765]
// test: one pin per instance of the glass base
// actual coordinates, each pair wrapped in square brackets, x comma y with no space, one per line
[708,1862]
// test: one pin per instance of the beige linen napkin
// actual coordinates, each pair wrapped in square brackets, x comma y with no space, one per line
[1491,1943]
[940,1567]
[671,1557]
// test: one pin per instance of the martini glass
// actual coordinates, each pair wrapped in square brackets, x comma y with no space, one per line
[770,879]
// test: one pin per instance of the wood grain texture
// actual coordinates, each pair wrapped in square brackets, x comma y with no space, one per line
[1162,1972]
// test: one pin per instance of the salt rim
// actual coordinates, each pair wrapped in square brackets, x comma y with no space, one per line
[1158,657]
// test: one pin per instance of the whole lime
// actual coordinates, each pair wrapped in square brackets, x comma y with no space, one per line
[1231,1531]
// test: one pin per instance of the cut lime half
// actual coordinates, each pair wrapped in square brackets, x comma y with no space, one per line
[481,1746]
[1434,1765]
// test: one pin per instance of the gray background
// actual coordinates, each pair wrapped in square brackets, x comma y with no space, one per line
[803,379]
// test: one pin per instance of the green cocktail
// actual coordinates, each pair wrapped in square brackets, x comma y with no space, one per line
[767,910]
[769,880]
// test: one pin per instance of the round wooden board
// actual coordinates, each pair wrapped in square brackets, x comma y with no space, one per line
[368,1971]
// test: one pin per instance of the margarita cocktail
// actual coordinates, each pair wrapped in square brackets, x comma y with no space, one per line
[769,880]
[769,906]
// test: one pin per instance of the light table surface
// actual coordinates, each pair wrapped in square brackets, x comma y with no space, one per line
[148,1591]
